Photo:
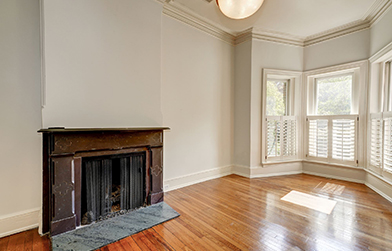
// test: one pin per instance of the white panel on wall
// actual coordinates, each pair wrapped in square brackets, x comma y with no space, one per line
[102,63]
[197,104]
[20,144]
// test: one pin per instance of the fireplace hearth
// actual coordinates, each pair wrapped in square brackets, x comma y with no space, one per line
[93,174]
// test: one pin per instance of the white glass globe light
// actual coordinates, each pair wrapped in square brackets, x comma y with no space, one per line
[239,9]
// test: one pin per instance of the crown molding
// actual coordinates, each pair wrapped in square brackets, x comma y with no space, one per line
[339,31]
[183,14]
[269,36]
[174,11]
[377,11]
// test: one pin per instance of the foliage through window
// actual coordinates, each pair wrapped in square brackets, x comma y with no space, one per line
[277,97]
[334,95]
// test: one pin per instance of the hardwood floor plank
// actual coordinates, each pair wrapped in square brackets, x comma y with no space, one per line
[170,238]
[143,242]
[4,243]
[28,245]
[237,213]
[16,242]
[157,240]
[129,244]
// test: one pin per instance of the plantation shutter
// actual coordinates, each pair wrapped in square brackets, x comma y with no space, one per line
[273,136]
[388,143]
[289,136]
[343,139]
[318,138]
[376,138]
[281,137]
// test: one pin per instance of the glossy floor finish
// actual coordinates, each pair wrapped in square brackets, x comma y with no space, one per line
[236,213]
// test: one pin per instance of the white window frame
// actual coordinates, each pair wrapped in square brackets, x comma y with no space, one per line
[358,109]
[380,114]
[294,104]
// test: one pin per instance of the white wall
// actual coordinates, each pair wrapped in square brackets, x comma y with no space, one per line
[102,63]
[381,33]
[345,49]
[242,89]
[20,144]
[197,89]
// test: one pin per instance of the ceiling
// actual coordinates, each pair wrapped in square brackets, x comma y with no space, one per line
[300,18]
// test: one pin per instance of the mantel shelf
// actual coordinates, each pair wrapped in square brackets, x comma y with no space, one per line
[122,129]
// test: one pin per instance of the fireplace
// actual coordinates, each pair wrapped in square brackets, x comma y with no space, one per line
[92,174]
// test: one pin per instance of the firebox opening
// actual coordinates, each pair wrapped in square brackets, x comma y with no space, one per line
[112,185]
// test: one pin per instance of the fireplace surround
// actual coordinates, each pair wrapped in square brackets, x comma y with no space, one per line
[114,155]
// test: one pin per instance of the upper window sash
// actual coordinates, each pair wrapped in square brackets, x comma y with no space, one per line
[312,89]
[288,100]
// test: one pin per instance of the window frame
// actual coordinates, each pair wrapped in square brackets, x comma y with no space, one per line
[360,77]
[295,111]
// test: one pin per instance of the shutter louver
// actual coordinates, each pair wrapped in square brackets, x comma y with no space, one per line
[388,144]
[343,139]
[289,144]
[376,142]
[281,137]
[273,138]
[318,138]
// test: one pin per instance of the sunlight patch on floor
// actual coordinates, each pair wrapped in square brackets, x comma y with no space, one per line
[310,201]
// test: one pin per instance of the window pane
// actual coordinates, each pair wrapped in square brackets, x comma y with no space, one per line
[277,97]
[334,95]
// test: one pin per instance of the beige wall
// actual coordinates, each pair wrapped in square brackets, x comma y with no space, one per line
[381,33]
[242,90]
[345,49]
[20,144]
[102,63]
[197,89]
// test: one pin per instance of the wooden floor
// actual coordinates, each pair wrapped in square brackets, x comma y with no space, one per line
[236,213]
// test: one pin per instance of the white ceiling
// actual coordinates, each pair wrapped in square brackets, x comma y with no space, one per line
[301,18]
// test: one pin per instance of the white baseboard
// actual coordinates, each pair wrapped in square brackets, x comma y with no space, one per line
[240,170]
[19,222]
[276,169]
[379,192]
[195,178]
[334,177]
[275,174]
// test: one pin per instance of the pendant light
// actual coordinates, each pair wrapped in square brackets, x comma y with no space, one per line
[239,9]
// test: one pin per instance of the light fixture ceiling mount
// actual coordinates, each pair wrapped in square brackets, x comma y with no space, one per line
[239,9]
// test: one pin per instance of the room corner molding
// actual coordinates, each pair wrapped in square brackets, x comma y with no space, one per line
[269,36]
[377,11]
[372,16]
[19,222]
[178,13]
